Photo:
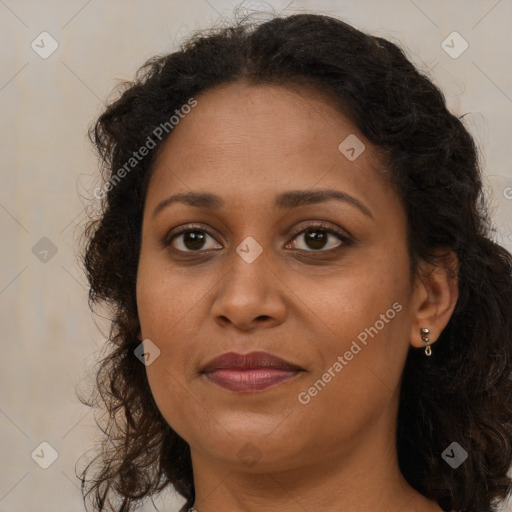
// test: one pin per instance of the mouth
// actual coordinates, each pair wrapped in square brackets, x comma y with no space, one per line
[255,371]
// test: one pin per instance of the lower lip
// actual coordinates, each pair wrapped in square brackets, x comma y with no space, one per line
[250,380]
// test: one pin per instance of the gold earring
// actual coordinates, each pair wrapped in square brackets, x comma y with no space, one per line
[424,336]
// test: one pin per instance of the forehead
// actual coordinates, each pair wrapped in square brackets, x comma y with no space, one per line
[262,117]
[244,139]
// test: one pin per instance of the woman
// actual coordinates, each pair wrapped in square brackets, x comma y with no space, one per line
[309,310]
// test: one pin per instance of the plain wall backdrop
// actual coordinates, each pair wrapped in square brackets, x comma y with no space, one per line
[49,170]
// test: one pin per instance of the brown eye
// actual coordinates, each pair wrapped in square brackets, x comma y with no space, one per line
[191,240]
[318,237]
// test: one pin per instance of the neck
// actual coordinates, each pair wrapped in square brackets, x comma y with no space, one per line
[364,478]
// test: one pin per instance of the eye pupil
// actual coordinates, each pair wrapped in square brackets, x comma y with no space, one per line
[193,239]
[317,238]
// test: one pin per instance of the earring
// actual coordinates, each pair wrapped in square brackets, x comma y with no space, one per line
[424,336]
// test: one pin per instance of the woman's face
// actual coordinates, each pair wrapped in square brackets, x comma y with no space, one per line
[245,275]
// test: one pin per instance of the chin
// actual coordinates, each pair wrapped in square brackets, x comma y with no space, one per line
[246,447]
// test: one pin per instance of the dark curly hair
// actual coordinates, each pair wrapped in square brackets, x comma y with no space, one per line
[462,393]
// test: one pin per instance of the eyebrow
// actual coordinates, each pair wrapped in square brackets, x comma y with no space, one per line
[283,201]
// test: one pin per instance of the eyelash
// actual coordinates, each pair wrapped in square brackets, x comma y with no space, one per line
[320,226]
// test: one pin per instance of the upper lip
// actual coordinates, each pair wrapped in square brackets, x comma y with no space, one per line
[252,360]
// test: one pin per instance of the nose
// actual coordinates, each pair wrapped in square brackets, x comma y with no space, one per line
[250,295]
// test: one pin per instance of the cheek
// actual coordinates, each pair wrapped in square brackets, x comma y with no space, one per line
[168,312]
[365,349]
[367,299]
[358,382]
[167,301]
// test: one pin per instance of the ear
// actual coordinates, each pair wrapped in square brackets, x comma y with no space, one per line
[435,294]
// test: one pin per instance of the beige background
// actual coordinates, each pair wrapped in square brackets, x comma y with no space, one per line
[49,170]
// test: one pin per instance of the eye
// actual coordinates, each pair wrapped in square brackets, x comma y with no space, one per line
[316,237]
[191,239]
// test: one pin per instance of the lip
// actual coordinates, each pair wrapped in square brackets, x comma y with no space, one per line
[249,372]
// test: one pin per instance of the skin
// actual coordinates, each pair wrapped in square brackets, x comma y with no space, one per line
[246,144]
